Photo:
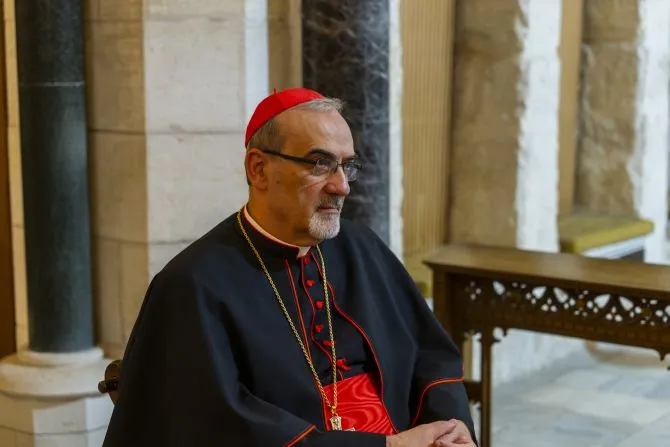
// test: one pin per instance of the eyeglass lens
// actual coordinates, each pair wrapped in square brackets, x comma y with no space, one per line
[323,167]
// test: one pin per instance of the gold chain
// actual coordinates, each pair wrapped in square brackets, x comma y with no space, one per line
[333,406]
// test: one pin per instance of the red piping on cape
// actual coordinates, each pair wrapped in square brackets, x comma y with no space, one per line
[309,352]
[300,436]
[311,328]
[367,340]
[298,308]
[429,386]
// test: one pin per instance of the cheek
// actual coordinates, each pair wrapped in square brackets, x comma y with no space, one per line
[282,185]
[296,193]
[309,194]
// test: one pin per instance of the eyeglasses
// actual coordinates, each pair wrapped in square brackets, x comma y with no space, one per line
[323,166]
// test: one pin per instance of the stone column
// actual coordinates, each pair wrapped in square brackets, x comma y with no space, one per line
[55,175]
[348,52]
[504,157]
[49,391]
[623,151]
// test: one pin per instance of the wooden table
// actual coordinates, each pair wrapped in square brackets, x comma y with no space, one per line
[477,289]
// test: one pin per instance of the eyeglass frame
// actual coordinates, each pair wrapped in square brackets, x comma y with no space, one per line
[333,164]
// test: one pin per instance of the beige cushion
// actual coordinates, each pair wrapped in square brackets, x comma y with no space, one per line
[582,232]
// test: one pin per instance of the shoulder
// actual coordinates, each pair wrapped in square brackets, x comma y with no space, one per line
[360,243]
[363,237]
[365,252]
[351,231]
[208,256]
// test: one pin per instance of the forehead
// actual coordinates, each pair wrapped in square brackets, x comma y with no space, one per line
[304,130]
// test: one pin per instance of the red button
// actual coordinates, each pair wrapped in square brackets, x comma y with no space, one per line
[327,343]
[309,283]
[341,363]
[318,328]
[319,305]
[305,260]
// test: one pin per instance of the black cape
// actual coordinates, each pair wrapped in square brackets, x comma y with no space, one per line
[212,360]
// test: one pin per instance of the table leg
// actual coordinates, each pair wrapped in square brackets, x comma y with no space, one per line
[486,371]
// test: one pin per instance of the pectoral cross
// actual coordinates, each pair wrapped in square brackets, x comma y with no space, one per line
[336,423]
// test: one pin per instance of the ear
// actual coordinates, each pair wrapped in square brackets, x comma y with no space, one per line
[255,164]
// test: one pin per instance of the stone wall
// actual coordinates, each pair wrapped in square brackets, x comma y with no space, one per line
[504,186]
[206,69]
[485,125]
[623,153]
[171,85]
[118,163]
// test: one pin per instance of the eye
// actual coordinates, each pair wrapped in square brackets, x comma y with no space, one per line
[351,170]
[323,165]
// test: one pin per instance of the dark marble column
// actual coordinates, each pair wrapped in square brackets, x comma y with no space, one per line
[345,49]
[49,36]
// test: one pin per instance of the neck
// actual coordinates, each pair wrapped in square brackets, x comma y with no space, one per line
[273,229]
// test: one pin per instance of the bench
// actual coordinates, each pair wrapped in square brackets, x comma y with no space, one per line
[478,289]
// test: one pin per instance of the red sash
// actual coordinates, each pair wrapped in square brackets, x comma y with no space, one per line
[360,406]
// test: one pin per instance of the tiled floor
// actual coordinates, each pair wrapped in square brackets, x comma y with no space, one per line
[610,397]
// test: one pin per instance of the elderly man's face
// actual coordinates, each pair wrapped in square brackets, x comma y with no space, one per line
[309,203]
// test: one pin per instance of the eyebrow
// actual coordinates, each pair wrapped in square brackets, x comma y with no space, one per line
[327,154]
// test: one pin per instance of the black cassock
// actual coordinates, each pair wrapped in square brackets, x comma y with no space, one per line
[212,361]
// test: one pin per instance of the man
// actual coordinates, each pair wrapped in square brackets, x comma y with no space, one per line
[286,325]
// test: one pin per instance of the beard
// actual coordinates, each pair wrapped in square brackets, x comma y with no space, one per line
[326,225]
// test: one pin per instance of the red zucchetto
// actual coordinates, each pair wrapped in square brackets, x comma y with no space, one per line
[275,104]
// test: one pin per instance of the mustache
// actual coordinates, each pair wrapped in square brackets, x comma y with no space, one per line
[332,201]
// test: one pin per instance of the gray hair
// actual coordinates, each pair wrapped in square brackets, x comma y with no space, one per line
[268,136]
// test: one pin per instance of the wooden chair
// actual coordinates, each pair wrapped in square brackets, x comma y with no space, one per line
[112,382]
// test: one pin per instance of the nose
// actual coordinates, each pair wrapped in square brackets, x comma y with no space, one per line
[338,183]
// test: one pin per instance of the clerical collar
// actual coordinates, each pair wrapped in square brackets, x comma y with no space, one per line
[301,251]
